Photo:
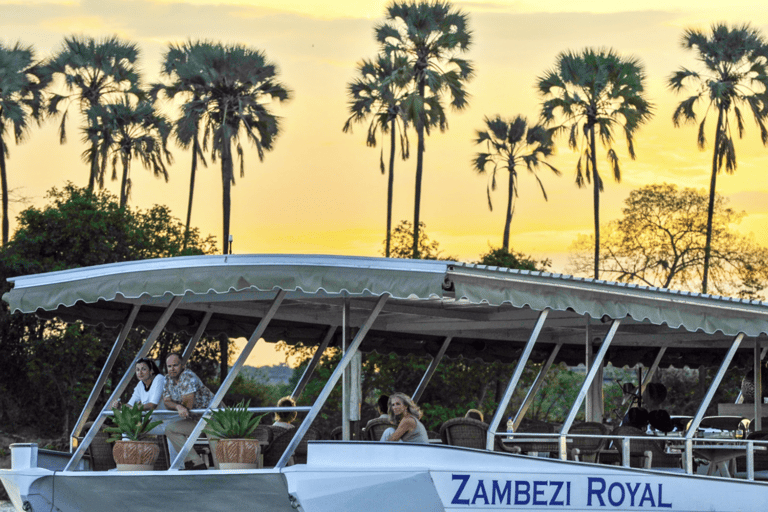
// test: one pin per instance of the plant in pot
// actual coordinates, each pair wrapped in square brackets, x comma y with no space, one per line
[230,430]
[132,451]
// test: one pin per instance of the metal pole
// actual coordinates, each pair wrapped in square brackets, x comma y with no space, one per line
[431,369]
[190,348]
[309,370]
[494,424]
[332,381]
[528,400]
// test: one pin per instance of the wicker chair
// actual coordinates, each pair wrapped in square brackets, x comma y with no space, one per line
[337,433]
[264,433]
[375,428]
[464,432]
[587,449]
[99,451]
[282,437]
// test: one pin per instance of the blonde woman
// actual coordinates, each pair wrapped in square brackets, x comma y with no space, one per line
[406,415]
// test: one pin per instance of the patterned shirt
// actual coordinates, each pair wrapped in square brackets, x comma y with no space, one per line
[188,383]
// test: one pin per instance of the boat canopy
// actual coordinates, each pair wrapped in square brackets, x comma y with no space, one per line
[487,311]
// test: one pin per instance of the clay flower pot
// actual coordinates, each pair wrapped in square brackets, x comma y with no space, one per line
[135,455]
[238,453]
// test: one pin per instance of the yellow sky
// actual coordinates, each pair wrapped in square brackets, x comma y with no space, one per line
[320,190]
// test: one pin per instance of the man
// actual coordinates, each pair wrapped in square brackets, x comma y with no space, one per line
[184,391]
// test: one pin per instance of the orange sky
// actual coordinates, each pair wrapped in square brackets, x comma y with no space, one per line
[320,190]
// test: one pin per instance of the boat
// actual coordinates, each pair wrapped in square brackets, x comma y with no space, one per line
[436,308]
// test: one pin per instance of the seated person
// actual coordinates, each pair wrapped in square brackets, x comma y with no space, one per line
[285,419]
[404,413]
[149,389]
[184,391]
[474,414]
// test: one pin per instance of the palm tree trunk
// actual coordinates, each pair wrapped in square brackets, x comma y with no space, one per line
[226,183]
[94,166]
[4,185]
[510,201]
[124,183]
[419,169]
[390,184]
[195,149]
[711,207]
[595,197]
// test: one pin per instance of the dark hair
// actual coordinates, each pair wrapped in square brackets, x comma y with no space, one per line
[153,369]
[383,404]
[289,416]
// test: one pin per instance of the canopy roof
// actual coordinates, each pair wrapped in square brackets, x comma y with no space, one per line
[489,312]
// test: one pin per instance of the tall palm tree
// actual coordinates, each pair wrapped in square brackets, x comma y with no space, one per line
[130,131]
[22,81]
[378,93]
[431,35]
[595,92]
[93,72]
[734,77]
[188,89]
[512,144]
[236,84]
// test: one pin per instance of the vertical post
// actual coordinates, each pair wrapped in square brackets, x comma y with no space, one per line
[431,370]
[346,433]
[758,371]
[494,424]
[593,410]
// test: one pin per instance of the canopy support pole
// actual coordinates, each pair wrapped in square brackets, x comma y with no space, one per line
[230,378]
[310,369]
[346,433]
[431,369]
[151,338]
[190,348]
[494,425]
[535,388]
[104,375]
[694,424]
[758,372]
[332,381]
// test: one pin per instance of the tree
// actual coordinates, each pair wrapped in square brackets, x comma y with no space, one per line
[126,131]
[511,144]
[22,81]
[402,243]
[378,93]
[93,72]
[234,85]
[431,36]
[660,241]
[734,77]
[500,257]
[189,89]
[595,92]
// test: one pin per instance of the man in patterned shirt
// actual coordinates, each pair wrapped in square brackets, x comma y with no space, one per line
[184,391]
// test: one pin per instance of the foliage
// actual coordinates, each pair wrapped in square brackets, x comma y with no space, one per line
[431,36]
[133,422]
[735,77]
[233,422]
[660,241]
[500,257]
[402,243]
[511,144]
[595,93]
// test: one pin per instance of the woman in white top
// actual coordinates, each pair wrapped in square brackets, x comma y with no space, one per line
[149,390]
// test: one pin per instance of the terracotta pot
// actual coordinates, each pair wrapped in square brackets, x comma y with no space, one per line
[238,453]
[135,455]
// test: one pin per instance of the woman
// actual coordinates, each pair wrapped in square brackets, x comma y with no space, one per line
[149,390]
[406,415]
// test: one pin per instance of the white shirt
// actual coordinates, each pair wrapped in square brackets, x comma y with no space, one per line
[152,396]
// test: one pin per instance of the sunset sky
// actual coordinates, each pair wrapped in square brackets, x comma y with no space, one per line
[320,190]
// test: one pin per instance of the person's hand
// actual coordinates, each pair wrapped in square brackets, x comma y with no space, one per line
[183,411]
[116,404]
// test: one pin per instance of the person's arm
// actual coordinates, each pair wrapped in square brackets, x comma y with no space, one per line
[183,407]
[406,425]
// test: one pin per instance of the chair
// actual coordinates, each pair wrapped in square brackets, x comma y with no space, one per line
[264,433]
[283,437]
[163,461]
[337,433]
[464,432]
[99,451]
[587,448]
[543,445]
[376,427]
[643,453]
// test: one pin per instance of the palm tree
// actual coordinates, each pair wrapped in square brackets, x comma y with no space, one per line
[511,144]
[596,92]
[431,35]
[189,90]
[234,86]
[734,77]
[22,81]
[129,131]
[93,72]
[378,92]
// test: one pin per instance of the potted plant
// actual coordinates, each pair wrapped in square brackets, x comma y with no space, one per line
[132,425]
[229,429]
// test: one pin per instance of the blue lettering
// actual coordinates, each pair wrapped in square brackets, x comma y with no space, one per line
[647,495]
[662,504]
[539,492]
[554,501]
[596,491]
[616,485]
[456,500]
[632,493]
[479,494]
[568,494]
[522,488]
[495,491]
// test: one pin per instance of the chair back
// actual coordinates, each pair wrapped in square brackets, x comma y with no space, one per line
[376,427]
[464,432]
[264,434]
[337,433]
[281,440]
[589,445]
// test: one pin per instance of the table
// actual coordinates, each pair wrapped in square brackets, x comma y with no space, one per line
[719,456]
